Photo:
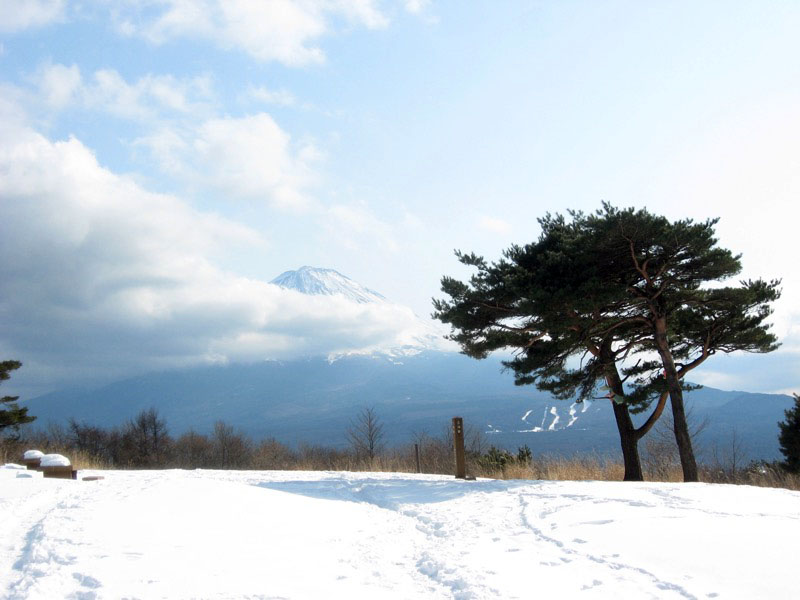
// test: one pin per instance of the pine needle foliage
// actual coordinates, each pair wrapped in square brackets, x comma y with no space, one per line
[11,414]
[789,438]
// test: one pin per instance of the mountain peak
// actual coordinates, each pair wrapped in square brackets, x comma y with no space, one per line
[326,282]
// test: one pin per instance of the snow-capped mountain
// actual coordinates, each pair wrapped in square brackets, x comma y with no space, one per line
[413,334]
[326,282]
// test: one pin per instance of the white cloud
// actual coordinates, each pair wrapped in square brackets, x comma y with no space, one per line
[276,30]
[416,7]
[262,94]
[248,157]
[110,91]
[420,9]
[356,227]
[494,225]
[151,96]
[360,12]
[17,15]
[719,380]
[100,277]
[58,84]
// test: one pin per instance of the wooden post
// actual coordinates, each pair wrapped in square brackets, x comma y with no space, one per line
[458,442]
[416,455]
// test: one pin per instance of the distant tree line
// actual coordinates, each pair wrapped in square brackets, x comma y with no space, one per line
[145,442]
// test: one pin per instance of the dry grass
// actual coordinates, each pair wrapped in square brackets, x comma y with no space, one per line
[575,468]
[591,468]
[83,460]
[11,451]
[759,476]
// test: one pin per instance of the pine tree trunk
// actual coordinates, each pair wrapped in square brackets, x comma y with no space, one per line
[629,442]
[628,437]
[681,428]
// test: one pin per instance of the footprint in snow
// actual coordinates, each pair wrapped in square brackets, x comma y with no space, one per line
[601,522]
[86,580]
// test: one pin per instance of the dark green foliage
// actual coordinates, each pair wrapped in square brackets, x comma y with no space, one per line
[789,437]
[11,414]
[524,455]
[496,459]
[662,267]
[546,301]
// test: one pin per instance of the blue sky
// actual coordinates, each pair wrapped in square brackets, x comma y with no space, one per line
[161,160]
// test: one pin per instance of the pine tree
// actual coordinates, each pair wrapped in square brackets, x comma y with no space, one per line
[545,301]
[663,265]
[789,437]
[609,287]
[11,414]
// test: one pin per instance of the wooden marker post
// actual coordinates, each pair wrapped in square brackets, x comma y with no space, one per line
[458,442]
[416,456]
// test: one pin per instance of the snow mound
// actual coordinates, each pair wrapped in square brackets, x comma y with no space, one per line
[54,460]
[32,454]
[14,467]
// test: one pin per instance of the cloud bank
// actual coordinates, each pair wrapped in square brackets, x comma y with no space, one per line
[18,15]
[102,278]
[279,30]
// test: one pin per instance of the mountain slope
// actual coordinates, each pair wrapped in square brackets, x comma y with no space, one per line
[314,400]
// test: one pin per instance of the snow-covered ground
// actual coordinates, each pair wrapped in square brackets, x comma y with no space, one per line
[238,534]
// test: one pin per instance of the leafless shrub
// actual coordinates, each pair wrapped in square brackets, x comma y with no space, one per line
[660,457]
[366,434]
[193,450]
[231,449]
[270,454]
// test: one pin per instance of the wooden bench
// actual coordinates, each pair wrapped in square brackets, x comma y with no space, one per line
[32,463]
[59,472]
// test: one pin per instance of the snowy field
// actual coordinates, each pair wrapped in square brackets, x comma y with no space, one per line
[268,534]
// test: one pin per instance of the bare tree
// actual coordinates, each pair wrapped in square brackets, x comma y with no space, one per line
[57,435]
[728,458]
[661,454]
[147,440]
[272,454]
[232,449]
[193,450]
[87,438]
[366,434]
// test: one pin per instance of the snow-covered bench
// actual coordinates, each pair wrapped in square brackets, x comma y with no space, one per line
[31,459]
[57,466]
